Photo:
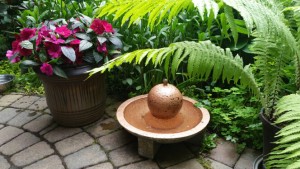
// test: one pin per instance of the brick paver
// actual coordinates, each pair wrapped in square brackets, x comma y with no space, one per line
[32,154]
[23,118]
[218,165]
[116,139]
[106,165]
[104,127]
[8,113]
[9,133]
[40,104]
[52,162]
[19,143]
[246,159]
[9,99]
[74,143]
[225,152]
[190,164]
[4,163]
[86,157]
[60,133]
[148,164]
[48,129]
[39,123]
[112,109]
[25,102]
[125,155]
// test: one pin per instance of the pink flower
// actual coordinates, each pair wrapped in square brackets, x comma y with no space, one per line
[9,54]
[47,69]
[107,27]
[43,32]
[53,50]
[75,42]
[102,48]
[16,47]
[27,33]
[54,39]
[99,26]
[63,31]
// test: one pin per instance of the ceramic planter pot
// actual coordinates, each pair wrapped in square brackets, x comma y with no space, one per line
[76,101]
[269,132]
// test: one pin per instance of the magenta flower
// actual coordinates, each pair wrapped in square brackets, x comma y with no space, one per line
[63,31]
[27,33]
[16,47]
[9,54]
[43,32]
[107,27]
[75,42]
[102,48]
[101,26]
[46,69]
[53,50]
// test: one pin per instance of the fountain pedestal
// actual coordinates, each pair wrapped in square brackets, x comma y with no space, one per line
[161,116]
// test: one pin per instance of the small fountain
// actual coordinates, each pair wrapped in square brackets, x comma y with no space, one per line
[162,116]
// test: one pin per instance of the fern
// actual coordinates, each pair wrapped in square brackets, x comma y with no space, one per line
[134,10]
[288,149]
[204,59]
[274,45]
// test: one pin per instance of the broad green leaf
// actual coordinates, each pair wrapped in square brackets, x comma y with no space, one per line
[116,41]
[82,36]
[101,39]
[27,44]
[84,45]
[59,72]
[69,53]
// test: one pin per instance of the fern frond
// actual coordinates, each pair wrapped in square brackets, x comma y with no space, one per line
[134,10]
[288,144]
[207,6]
[230,19]
[295,165]
[274,44]
[203,59]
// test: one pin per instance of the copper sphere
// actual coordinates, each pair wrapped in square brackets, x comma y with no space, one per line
[164,100]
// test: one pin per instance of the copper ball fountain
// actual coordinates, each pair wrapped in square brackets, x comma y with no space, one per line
[161,116]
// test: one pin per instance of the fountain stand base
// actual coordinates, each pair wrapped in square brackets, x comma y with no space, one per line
[148,148]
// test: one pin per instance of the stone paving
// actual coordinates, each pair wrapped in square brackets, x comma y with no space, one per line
[30,139]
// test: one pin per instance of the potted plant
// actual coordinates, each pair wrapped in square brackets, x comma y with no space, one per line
[273,43]
[61,52]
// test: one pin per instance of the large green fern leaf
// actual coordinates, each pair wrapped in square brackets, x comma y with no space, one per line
[215,60]
[287,153]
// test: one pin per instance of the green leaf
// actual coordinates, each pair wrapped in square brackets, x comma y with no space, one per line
[29,63]
[27,44]
[69,53]
[82,36]
[97,57]
[116,41]
[84,45]
[101,39]
[59,72]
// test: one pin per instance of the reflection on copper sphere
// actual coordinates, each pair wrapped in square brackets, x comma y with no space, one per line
[164,100]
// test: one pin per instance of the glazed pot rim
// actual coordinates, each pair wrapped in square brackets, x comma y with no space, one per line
[71,70]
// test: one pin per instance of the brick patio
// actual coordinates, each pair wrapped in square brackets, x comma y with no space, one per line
[30,139]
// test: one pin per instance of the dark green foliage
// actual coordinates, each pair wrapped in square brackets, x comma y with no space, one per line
[234,112]
[234,115]
[27,82]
